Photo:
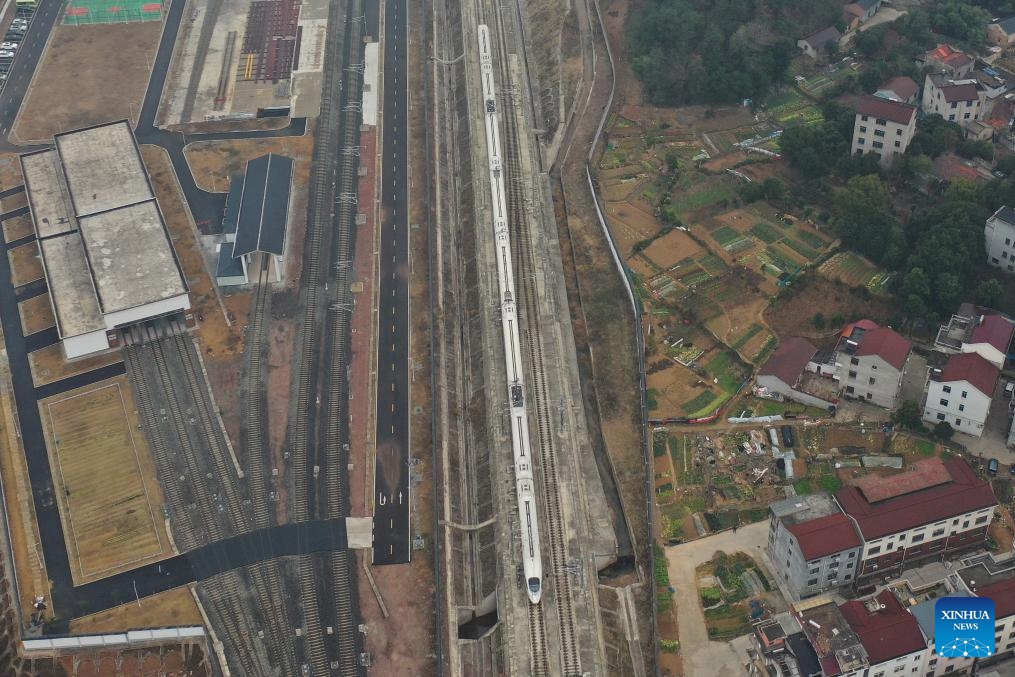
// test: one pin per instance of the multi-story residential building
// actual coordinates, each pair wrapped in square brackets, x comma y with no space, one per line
[999,238]
[837,646]
[877,525]
[889,634]
[960,394]
[935,664]
[813,545]
[871,362]
[883,126]
[954,100]
[859,12]
[939,509]
[971,331]
[948,60]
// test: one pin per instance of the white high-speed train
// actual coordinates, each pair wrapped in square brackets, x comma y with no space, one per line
[532,562]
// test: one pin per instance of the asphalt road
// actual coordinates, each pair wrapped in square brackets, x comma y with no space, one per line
[391,480]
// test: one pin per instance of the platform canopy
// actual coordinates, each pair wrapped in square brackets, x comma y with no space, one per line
[262,216]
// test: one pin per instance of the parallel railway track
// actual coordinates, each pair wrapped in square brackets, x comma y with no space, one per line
[556,550]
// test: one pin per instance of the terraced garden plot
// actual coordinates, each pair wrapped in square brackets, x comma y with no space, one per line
[855,271]
[706,196]
[732,241]
[674,248]
[801,249]
[810,238]
[765,232]
[751,332]
[713,264]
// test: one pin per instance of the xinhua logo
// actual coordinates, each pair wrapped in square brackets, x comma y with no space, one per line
[964,627]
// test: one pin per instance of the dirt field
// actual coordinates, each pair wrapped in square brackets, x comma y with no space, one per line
[17,227]
[214,162]
[103,68]
[793,313]
[171,608]
[104,477]
[221,335]
[36,314]
[26,264]
[10,171]
[672,248]
[16,201]
[48,364]
[855,271]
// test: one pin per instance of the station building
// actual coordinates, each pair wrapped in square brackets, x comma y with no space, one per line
[107,254]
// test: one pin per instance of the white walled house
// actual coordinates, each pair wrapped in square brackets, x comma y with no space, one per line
[954,100]
[960,394]
[871,362]
[999,239]
[883,126]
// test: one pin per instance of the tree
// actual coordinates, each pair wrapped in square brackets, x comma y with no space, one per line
[908,415]
[943,430]
[818,320]
[915,294]
[863,216]
[989,293]
[773,188]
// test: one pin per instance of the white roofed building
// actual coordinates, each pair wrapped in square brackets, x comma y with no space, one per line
[107,254]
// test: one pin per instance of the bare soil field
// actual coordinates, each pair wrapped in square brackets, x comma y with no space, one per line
[16,201]
[674,387]
[17,227]
[214,162]
[104,477]
[793,312]
[10,171]
[36,314]
[26,264]
[102,68]
[630,225]
[49,365]
[672,248]
[220,321]
[172,608]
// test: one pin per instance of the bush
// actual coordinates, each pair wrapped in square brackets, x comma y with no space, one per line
[943,430]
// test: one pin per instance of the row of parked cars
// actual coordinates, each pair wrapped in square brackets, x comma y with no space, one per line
[12,40]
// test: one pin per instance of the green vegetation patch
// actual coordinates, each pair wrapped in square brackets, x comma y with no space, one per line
[765,232]
[751,332]
[810,238]
[801,249]
[702,400]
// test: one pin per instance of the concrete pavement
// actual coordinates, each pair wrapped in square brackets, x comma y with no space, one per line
[703,657]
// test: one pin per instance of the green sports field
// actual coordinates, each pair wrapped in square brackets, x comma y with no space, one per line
[80,12]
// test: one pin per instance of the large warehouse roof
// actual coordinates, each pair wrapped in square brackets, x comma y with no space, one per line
[264,206]
[130,256]
[104,243]
[103,167]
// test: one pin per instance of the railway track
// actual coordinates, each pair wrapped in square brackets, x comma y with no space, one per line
[555,567]
[254,394]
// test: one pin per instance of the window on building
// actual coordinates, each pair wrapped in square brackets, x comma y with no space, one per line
[940,417]
[938,532]
[879,132]
[966,116]
[874,551]
[898,132]
[955,104]
[995,261]
[878,144]
[863,118]
[849,390]
[812,581]
[917,538]
[958,422]
[849,565]
[854,360]
[946,389]
[870,395]
[981,519]
[962,407]
[870,381]
[813,570]
[964,394]
[863,130]
[852,554]
[1007,240]
[952,117]
[899,668]
[944,402]
[965,525]
[852,374]
[880,121]
[860,141]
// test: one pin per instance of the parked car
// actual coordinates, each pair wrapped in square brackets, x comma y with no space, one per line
[1009,389]
[13,37]
[992,466]
[6,54]
[9,46]
[1011,469]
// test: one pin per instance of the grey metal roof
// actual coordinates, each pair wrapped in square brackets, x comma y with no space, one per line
[227,265]
[1007,24]
[264,206]
[1006,214]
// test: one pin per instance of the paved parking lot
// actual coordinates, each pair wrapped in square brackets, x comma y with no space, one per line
[703,657]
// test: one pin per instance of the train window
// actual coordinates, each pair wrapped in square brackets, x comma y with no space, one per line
[533,584]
